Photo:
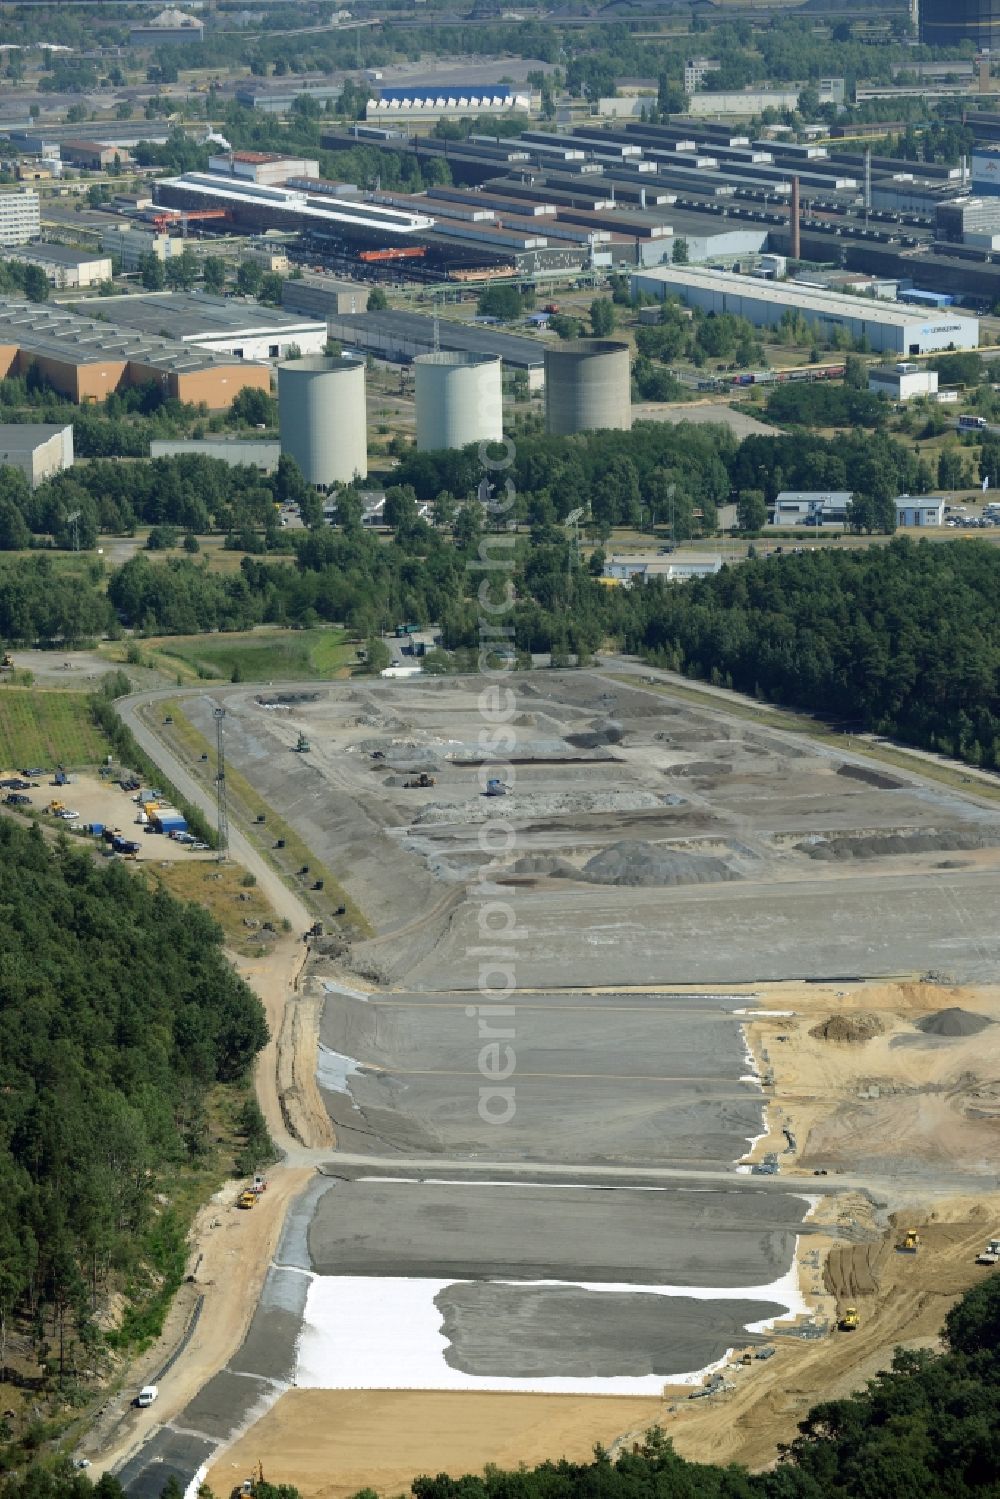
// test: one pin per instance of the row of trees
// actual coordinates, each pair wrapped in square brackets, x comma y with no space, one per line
[188,491]
[120,1012]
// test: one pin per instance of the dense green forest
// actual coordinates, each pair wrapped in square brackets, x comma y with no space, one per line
[903,639]
[118,1013]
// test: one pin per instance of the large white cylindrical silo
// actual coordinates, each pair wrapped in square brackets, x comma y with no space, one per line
[587,386]
[459,400]
[324,423]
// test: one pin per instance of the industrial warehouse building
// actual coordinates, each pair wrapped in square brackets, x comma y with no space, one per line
[436,101]
[323,296]
[37,450]
[93,156]
[219,325]
[171,27]
[921,510]
[86,360]
[807,507]
[886,327]
[262,456]
[65,267]
[267,167]
[402,336]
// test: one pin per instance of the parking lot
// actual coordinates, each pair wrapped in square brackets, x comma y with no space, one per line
[96,802]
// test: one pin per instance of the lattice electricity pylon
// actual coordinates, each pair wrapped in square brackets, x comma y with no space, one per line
[221,807]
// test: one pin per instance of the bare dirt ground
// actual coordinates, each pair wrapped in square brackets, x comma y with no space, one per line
[721,412]
[384,1438]
[102,802]
[832,867]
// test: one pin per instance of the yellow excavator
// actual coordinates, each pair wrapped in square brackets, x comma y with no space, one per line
[850,1321]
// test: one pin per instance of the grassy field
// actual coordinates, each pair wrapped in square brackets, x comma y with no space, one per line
[47,727]
[257,655]
[220,890]
[245,805]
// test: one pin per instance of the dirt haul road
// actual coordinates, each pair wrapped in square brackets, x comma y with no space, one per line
[230,1251]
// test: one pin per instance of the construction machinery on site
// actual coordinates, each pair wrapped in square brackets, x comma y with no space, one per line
[423,779]
[247,1198]
[7,664]
[991,1254]
[496,787]
[910,1242]
[302,746]
[850,1321]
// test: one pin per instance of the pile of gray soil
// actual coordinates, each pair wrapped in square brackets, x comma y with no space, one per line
[884,845]
[953,1022]
[647,864]
[854,1028]
[560,869]
[602,731]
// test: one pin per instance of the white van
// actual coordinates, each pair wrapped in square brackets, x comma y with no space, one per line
[146,1395]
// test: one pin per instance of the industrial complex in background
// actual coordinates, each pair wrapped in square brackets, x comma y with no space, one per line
[868,251]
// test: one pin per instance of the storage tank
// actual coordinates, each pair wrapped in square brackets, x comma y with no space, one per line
[587,386]
[459,400]
[321,409]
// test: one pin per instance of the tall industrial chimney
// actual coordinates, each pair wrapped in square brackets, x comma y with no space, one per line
[794,231]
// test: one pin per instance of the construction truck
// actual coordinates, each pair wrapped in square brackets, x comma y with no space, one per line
[910,1242]
[850,1321]
[303,746]
[423,779]
[991,1254]
[55,808]
[496,787]
[247,1198]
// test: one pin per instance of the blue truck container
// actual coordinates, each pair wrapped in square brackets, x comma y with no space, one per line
[171,823]
[97,829]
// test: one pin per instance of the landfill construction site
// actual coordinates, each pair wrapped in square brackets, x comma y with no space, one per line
[666,1032]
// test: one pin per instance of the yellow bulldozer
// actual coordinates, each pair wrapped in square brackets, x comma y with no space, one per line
[910,1242]
[850,1321]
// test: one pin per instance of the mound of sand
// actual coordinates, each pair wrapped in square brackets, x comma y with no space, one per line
[855,1028]
[953,1022]
[647,864]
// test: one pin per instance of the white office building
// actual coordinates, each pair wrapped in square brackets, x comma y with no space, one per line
[902,382]
[64,267]
[886,327]
[39,450]
[807,507]
[678,568]
[20,217]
